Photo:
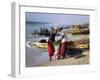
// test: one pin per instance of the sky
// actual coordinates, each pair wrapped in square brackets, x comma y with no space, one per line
[68,19]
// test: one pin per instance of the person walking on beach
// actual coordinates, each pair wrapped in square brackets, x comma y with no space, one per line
[51,49]
[63,48]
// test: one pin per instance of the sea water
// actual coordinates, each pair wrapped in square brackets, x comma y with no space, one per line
[35,56]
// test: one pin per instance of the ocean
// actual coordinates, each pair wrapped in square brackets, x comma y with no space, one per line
[35,56]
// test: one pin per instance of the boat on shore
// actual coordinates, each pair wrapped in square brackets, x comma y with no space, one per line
[79,31]
[72,44]
[41,44]
[79,44]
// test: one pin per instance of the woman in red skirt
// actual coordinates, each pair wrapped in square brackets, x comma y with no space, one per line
[63,48]
[51,49]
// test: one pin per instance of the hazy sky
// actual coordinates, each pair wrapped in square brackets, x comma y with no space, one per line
[57,18]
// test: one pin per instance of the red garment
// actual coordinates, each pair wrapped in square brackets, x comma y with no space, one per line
[63,49]
[51,49]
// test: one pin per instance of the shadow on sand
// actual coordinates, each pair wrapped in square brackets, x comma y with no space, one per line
[76,52]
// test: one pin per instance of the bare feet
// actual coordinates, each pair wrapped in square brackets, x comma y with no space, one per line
[50,59]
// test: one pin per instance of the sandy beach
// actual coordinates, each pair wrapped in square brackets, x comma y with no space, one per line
[37,58]
[81,60]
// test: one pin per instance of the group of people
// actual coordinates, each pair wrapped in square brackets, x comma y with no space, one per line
[57,48]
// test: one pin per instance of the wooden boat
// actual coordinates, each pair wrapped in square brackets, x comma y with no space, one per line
[41,45]
[79,31]
[79,44]
[71,44]
[85,46]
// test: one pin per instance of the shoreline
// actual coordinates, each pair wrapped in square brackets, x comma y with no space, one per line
[36,58]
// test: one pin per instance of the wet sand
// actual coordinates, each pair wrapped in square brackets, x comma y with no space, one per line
[35,57]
